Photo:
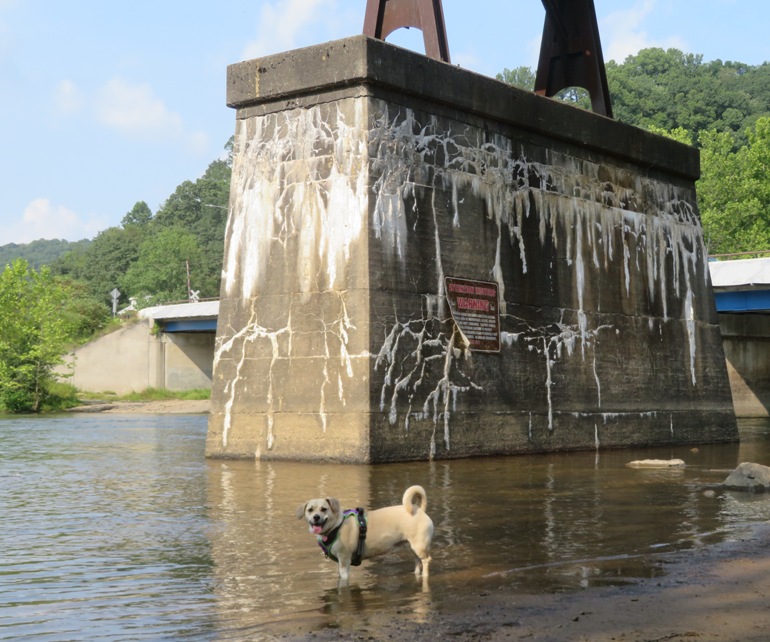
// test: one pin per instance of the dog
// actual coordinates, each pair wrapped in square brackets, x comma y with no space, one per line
[338,532]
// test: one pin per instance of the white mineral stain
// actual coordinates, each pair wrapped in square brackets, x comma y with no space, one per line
[301,193]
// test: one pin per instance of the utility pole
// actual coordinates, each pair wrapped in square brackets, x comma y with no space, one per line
[189,290]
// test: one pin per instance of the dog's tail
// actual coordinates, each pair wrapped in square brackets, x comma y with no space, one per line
[412,493]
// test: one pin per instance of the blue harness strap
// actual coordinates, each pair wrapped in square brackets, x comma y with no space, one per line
[327,541]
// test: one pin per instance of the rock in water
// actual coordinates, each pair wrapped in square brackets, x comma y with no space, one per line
[656,463]
[748,476]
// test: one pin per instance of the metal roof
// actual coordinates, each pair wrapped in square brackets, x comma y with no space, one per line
[740,274]
[200,310]
[741,286]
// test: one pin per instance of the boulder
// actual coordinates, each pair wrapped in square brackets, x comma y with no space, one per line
[748,476]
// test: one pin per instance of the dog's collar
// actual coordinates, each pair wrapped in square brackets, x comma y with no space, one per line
[327,541]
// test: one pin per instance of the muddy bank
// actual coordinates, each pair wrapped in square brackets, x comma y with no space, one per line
[719,592]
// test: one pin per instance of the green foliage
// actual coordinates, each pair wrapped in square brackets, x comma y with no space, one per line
[161,269]
[36,324]
[524,78]
[140,215]
[60,397]
[721,107]
[680,134]
[146,257]
[734,190]
[200,207]
[102,265]
[670,89]
[39,253]
[161,394]
[521,77]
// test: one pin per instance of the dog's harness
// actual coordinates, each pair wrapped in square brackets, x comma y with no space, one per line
[327,541]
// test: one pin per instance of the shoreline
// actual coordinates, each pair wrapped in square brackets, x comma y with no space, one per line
[718,592]
[162,407]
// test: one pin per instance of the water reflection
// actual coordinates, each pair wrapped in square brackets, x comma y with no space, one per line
[547,523]
[117,527]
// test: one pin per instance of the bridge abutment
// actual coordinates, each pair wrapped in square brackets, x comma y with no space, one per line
[364,176]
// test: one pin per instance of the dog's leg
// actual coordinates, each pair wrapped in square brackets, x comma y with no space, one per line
[423,559]
[422,566]
[344,568]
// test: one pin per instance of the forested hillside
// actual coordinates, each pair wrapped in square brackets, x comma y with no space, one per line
[666,90]
[40,252]
[150,255]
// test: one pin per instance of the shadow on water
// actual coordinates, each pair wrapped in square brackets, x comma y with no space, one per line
[115,525]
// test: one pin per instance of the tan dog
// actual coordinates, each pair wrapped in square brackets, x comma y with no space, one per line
[338,534]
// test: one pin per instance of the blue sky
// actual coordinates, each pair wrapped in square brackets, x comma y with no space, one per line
[103,104]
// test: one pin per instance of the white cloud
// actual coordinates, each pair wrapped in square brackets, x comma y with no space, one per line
[624,34]
[43,220]
[68,98]
[287,24]
[136,112]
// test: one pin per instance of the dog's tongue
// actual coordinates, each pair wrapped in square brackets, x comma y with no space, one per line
[316,529]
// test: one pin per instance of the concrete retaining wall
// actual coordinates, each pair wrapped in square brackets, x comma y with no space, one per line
[746,341]
[133,359]
[363,176]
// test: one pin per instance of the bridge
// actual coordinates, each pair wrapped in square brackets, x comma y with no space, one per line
[168,347]
[742,297]
[741,286]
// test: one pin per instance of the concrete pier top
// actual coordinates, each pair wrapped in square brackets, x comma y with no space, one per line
[307,76]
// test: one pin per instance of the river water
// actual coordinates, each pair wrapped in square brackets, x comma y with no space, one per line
[115,527]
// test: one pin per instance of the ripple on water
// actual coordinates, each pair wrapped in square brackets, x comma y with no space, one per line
[117,528]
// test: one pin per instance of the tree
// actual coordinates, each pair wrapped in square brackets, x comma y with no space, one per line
[40,252]
[34,332]
[521,77]
[113,258]
[160,273]
[106,260]
[524,78]
[140,215]
[200,207]
[734,191]
[670,89]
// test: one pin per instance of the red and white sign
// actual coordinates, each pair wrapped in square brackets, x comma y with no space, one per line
[475,309]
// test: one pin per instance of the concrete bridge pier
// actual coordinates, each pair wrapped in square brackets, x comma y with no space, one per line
[423,263]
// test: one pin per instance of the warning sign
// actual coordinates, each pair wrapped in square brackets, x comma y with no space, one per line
[475,310]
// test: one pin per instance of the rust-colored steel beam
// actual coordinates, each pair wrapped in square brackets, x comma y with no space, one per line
[571,53]
[383,17]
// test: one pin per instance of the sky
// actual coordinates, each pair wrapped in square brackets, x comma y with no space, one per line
[104,104]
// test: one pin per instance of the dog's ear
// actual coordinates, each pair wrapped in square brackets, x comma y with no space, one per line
[301,510]
[334,504]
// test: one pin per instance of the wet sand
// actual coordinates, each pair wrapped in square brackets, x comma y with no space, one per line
[719,592]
